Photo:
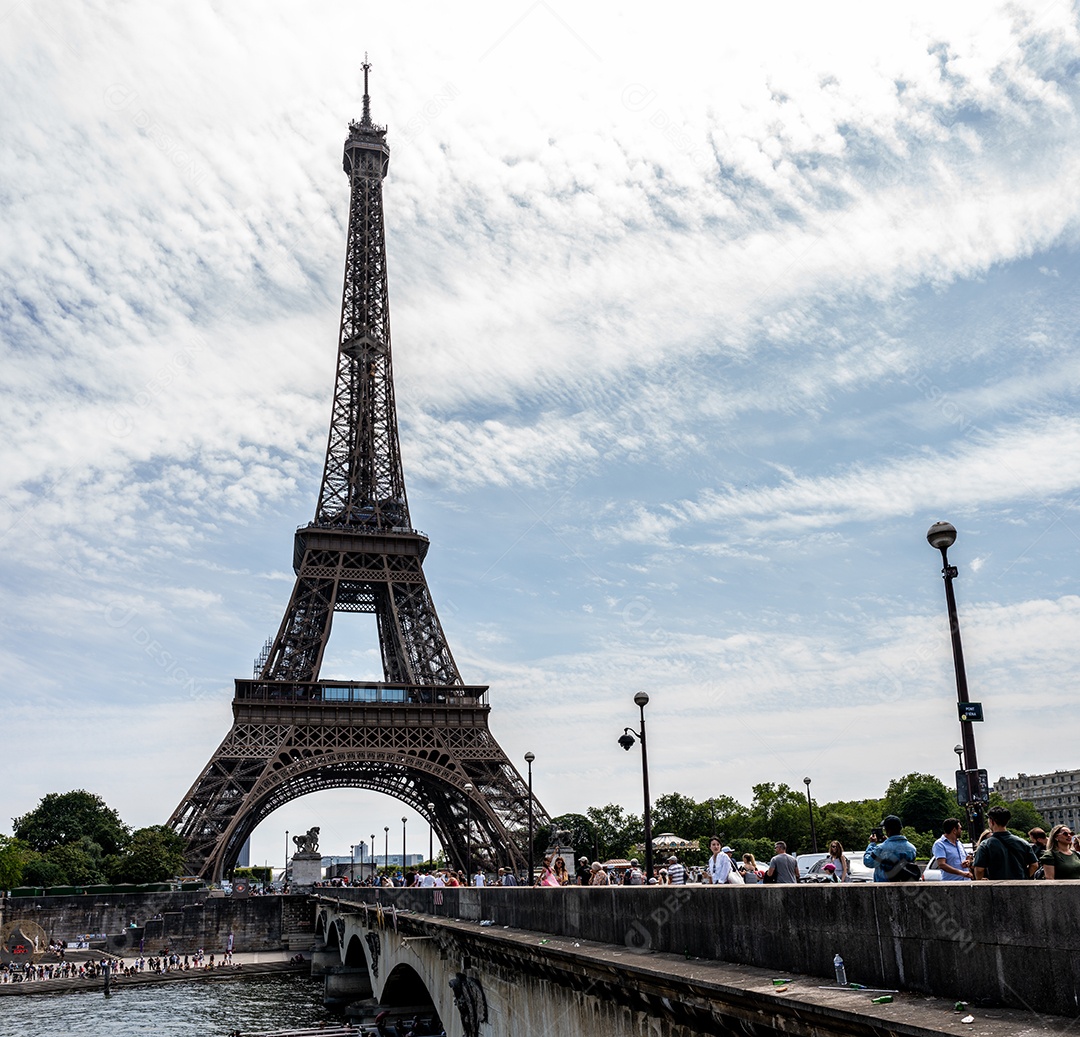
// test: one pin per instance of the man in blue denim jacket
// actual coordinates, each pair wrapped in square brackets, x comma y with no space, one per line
[891,858]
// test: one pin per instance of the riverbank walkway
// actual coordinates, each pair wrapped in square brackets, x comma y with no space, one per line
[246,965]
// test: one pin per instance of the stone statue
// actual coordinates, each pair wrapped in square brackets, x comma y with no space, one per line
[308,843]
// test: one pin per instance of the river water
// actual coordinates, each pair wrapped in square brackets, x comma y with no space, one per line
[169,1010]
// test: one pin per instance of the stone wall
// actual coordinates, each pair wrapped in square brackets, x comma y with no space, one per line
[1009,943]
[183,922]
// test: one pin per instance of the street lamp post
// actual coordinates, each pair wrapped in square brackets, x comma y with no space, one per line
[285,873]
[626,740]
[431,833]
[372,853]
[386,848]
[942,535]
[468,830]
[810,810]
[403,820]
[529,757]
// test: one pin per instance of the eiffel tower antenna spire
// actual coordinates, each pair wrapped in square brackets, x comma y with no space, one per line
[421,734]
[366,119]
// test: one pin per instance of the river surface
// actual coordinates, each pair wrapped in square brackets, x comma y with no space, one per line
[169,1010]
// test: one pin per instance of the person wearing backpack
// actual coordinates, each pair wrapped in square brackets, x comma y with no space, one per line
[1003,855]
[893,857]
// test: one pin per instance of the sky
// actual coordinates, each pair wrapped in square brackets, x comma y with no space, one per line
[700,321]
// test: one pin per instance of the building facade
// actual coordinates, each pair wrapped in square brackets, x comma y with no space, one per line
[1056,796]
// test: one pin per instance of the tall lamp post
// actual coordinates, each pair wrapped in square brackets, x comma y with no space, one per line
[386,848]
[529,757]
[810,811]
[431,833]
[372,853]
[285,873]
[942,535]
[626,740]
[468,830]
[403,820]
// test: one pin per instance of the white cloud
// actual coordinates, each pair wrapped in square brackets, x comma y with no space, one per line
[702,316]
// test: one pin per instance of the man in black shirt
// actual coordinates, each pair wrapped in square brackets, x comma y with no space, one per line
[1003,855]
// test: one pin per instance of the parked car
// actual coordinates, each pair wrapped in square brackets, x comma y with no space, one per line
[807,860]
[857,871]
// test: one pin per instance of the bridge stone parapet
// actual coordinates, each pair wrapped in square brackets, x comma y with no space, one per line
[1004,943]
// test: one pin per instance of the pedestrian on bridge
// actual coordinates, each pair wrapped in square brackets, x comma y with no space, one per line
[1060,861]
[676,872]
[719,867]
[893,858]
[1003,855]
[783,868]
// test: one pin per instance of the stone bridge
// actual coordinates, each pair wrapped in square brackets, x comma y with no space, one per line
[681,961]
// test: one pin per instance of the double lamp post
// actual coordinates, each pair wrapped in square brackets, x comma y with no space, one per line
[970,784]
[626,740]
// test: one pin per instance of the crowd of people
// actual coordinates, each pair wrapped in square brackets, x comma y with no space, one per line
[998,854]
[162,963]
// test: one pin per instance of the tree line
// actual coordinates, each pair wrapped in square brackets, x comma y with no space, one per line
[776,813]
[75,839]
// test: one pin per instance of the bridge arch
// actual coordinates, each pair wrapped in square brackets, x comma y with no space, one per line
[405,988]
[354,953]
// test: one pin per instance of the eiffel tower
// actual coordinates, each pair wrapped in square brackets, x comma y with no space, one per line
[421,735]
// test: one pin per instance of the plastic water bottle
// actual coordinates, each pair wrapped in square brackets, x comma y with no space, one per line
[841,972]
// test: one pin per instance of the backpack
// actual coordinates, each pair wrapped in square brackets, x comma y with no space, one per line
[904,871]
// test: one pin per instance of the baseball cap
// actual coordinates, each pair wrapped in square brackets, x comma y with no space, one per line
[726,849]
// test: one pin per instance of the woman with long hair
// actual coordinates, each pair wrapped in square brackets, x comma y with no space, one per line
[751,869]
[836,857]
[1060,861]
[547,874]
[560,871]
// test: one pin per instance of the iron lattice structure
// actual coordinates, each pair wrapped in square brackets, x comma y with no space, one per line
[420,735]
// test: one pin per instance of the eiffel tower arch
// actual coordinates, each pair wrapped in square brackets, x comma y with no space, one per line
[421,734]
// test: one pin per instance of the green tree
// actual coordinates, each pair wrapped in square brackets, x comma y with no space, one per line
[921,801]
[616,831]
[14,855]
[78,866]
[674,812]
[779,813]
[153,855]
[65,817]
[39,871]
[728,818]
[848,822]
